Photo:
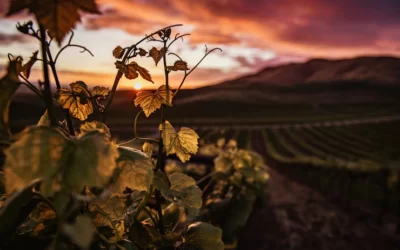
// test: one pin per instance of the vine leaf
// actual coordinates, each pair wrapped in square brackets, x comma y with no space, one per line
[94,125]
[180,189]
[142,52]
[77,103]
[8,86]
[144,73]
[58,17]
[118,52]
[108,212]
[204,236]
[150,102]
[148,148]
[183,143]
[26,69]
[165,96]
[94,161]
[100,91]
[44,153]
[129,72]
[136,175]
[157,54]
[44,119]
[178,65]
[80,87]
[223,164]
[37,154]
[132,154]
[81,232]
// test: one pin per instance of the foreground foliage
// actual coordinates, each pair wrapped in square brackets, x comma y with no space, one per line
[70,187]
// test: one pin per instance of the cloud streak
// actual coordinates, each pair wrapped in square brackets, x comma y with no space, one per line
[254,34]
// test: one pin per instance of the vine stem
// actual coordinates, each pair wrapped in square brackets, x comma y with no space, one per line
[135,132]
[188,73]
[47,90]
[119,73]
[54,71]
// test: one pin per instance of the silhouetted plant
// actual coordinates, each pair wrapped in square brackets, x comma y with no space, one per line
[76,187]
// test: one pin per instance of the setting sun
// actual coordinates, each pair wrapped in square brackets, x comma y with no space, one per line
[137,86]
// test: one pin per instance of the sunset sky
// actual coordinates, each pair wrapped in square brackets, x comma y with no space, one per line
[252,34]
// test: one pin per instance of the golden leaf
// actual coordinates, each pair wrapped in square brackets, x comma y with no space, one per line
[151,102]
[45,119]
[73,103]
[136,175]
[94,125]
[144,73]
[179,188]
[178,65]
[165,96]
[26,69]
[100,91]
[142,52]
[157,54]
[37,154]
[58,17]
[148,148]
[183,143]
[118,52]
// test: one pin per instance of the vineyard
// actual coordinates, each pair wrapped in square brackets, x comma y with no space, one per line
[354,164]
[357,161]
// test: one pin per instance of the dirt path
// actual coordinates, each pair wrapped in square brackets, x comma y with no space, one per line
[298,217]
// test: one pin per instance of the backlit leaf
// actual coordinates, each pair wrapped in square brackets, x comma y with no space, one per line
[118,52]
[132,154]
[142,52]
[44,119]
[37,154]
[223,164]
[179,65]
[94,125]
[81,232]
[26,69]
[183,143]
[144,73]
[165,96]
[148,148]
[204,236]
[94,161]
[150,101]
[157,54]
[182,190]
[100,91]
[80,87]
[8,86]
[108,212]
[77,107]
[58,17]
[130,72]
[136,175]
[44,153]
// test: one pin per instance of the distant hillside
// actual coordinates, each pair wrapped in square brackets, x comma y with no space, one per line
[358,80]
[317,87]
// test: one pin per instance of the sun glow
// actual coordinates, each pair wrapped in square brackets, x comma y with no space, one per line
[137,86]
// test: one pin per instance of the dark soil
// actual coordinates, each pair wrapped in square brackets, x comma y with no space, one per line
[296,216]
